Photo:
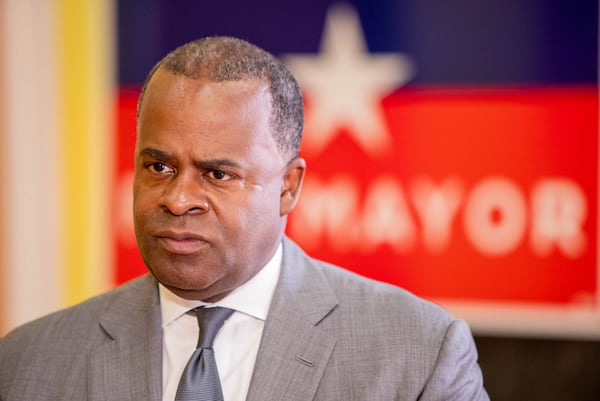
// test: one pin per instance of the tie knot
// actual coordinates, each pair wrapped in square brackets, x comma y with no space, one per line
[210,321]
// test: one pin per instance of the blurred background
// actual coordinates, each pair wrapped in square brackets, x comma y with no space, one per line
[452,150]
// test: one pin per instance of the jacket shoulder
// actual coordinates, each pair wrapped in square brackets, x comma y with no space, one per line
[67,325]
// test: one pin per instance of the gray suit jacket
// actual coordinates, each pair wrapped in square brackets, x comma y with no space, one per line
[330,335]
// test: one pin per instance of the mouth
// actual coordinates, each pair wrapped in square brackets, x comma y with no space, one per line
[181,243]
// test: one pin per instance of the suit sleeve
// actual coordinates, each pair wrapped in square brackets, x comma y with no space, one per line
[456,375]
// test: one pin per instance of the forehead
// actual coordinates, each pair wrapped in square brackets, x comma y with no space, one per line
[165,87]
[176,107]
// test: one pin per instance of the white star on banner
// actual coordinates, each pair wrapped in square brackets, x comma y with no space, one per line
[345,85]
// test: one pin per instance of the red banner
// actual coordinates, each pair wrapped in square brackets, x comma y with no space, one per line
[475,196]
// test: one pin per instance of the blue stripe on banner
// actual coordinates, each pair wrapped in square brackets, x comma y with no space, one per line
[459,41]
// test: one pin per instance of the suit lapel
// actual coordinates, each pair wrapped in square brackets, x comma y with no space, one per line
[294,350]
[292,357]
[128,365]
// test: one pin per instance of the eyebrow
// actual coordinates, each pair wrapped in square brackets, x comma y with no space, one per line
[157,154]
[210,164]
[215,164]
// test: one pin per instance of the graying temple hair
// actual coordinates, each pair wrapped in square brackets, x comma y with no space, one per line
[222,58]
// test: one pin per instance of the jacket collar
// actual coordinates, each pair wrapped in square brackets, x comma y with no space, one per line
[128,366]
[294,350]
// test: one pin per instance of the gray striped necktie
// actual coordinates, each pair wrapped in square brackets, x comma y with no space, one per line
[200,378]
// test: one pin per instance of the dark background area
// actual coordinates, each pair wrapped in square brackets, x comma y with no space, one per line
[530,369]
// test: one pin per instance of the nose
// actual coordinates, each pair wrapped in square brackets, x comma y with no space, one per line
[185,195]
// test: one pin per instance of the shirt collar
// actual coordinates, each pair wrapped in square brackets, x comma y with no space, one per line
[252,298]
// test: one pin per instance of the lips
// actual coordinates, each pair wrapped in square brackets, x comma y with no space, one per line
[181,243]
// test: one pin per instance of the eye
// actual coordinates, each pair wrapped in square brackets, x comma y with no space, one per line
[219,175]
[159,167]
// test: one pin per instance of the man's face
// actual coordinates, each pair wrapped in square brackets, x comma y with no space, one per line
[209,184]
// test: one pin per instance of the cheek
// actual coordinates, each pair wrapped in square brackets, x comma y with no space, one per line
[138,205]
[254,213]
[144,194]
[142,206]
[265,211]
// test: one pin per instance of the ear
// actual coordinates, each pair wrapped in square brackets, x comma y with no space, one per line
[292,185]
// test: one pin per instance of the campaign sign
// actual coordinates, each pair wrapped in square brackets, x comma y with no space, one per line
[479,195]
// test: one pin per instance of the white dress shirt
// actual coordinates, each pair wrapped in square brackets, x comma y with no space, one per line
[236,344]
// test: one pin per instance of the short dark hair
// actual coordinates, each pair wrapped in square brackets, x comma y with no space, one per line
[223,58]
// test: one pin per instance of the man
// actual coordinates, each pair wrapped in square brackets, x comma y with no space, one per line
[216,174]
